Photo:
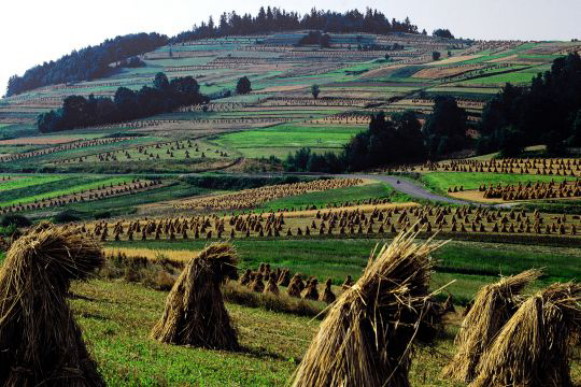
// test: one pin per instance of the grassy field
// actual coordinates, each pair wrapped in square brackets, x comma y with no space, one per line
[281,140]
[441,181]
[117,319]
[53,188]
[471,263]
[334,196]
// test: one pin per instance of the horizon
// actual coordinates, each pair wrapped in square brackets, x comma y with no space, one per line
[519,20]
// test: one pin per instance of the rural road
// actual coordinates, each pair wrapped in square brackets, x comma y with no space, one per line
[413,189]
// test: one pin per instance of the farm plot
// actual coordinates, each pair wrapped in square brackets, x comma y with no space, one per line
[551,167]
[280,141]
[72,146]
[167,150]
[84,195]
[42,187]
[377,219]
[250,198]
[520,192]
[443,181]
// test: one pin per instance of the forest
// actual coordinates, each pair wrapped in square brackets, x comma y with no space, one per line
[164,96]
[548,112]
[86,64]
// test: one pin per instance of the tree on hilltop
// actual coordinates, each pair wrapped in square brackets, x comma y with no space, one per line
[244,86]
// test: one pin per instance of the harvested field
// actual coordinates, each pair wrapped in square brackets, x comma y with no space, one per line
[252,197]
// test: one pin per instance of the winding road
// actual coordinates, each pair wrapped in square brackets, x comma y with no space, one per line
[405,186]
[415,190]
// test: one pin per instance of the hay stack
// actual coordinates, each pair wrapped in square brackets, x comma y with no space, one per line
[493,306]
[534,347]
[40,342]
[366,338]
[195,313]
[328,295]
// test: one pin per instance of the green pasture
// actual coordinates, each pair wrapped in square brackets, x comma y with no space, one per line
[58,186]
[473,263]
[441,181]
[281,140]
[334,196]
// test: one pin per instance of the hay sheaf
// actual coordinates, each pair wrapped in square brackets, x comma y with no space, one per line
[366,337]
[493,306]
[40,343]
[195,313]
[534,347]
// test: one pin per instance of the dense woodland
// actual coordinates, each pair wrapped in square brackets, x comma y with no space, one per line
[276,19]
[86,64]
[164,96]
[548,112]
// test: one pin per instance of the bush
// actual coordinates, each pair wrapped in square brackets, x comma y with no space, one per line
[15,220]
[102,215]
[67,216]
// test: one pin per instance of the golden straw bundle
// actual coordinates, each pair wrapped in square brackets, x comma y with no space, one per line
[366,338]
[195,313]
[40,343]
[493,306]
[534,347]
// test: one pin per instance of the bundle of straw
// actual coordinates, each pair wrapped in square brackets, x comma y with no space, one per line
[493,306]
[40,343]
[195,313]
[366,338]
[534,347]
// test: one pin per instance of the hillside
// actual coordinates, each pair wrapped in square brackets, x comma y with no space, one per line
[279,115]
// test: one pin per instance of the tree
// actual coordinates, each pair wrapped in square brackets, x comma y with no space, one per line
[436,55]
[160,81]
[315,91]
[445,128]
[243,86]
[511,141]
[574,139]
[443,33]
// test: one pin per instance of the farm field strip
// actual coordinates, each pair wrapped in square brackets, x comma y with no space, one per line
[83,195]
[62,186]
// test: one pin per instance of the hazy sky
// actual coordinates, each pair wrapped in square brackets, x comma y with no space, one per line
[33,31]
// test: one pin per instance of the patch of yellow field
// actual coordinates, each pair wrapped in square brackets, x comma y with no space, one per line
[477,196]
[275,89]
[454,59]
[360,207]
[152,254]
[503,59]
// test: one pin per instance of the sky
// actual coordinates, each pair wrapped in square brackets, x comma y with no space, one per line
[34,31]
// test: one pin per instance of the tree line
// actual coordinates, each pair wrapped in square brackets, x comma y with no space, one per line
[392,140]
[164,96]
[546,112]
[276,19]
[86,64]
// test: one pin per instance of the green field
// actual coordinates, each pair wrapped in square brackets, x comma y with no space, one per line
[54,187]
[282,140]
[441,181]
[472,263]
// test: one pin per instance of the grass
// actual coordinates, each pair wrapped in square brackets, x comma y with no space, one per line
[116,319]
[474,263]
[441,181]
[338,195]
[59,188]
[281,140]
